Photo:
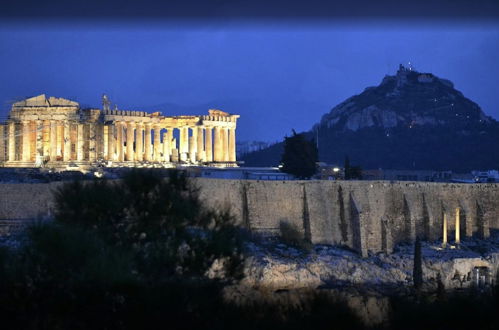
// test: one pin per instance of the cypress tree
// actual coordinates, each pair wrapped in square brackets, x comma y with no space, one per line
[417,273]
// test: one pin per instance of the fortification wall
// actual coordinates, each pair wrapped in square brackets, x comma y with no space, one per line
[364,215]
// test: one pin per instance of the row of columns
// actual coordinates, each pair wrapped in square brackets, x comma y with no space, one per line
[49,140]
[131,141]
[121,141]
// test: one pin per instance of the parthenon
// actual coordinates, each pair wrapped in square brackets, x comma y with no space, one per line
[56,132]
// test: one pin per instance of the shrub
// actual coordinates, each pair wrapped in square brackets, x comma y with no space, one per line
[161,220]
[290,235]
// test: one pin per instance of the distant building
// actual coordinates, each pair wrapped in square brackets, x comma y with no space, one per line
[333,172]
[485,176]
[329,172]
[417,175]
[240,173]
[372,174]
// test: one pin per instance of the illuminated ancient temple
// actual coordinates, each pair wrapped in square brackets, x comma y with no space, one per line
[55,132]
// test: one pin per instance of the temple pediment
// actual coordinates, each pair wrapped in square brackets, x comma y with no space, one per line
[42,101]
[216,112]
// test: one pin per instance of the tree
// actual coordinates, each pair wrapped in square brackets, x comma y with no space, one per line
[300,156]
[417,273]
[160,219]
[346,165]
[352,172]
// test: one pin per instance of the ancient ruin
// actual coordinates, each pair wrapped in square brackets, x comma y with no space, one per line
[55,132]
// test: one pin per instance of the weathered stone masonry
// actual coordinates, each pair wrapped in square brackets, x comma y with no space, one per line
[363,215]
[55,132]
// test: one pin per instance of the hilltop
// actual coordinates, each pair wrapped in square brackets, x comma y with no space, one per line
[411,120]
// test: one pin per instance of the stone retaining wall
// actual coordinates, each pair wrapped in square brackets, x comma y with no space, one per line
[364,215]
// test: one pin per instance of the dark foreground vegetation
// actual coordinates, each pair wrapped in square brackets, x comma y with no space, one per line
[138,254]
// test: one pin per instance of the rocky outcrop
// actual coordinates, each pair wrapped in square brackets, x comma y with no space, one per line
[406,99]
[281,274]
[284,268]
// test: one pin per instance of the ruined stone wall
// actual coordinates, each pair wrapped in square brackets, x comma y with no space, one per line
[364,215]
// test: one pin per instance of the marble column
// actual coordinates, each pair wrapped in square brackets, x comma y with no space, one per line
[225,144]
[53,140]
[184,143]
[3,149]
[217,145]
[105,141]
[174,151]
[200,155]
[232,144]
[129,141]
[166,148]
[92,148]
[191,154]
[111,144]
[458,224]
[181,138]
[79,142]
[119,142]
[157,143]
[39,143]
[171,142]
[12,141]
[26,141]
[147,138]
[208,144]
[46,138]
[66,154]
[139,142]
[193,141]
[60,138]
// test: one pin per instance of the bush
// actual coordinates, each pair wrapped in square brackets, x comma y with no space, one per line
[290,235]
[161,220]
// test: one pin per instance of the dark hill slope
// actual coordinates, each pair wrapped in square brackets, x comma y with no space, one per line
[410,121]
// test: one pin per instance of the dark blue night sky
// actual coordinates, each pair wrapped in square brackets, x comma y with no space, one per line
[277,76]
